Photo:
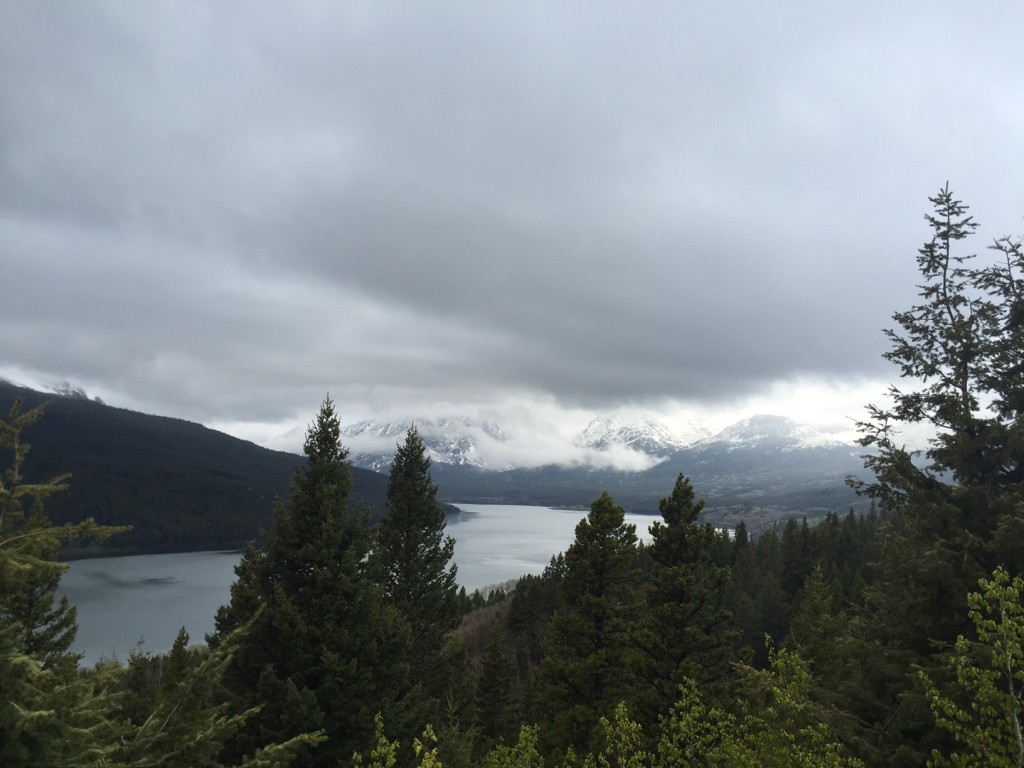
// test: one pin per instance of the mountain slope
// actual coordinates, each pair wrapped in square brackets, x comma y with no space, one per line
[648,437]
[180,485]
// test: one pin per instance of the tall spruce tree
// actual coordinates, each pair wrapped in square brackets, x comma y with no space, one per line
[411,562]
[321,648]
[961,351]
[687,630]
[412,556]
[590,659]
[956,511]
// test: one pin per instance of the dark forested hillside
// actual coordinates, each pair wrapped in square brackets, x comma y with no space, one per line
[179,485]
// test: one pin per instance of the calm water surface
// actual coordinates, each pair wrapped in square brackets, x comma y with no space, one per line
[124,600]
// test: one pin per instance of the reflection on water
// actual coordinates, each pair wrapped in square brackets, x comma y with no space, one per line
[124,600]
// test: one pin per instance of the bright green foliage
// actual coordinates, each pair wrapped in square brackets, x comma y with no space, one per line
[778,728]
[590,657]
[321,648]
[781,726]
[384,753]
[686,626]
[621,743]
[524,754]
[983,713]
[693,733]
[426,749]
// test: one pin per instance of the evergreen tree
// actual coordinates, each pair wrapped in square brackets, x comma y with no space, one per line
[797,557]
[499,706]
[535,601]
[771,605]
[186,721]
[411,555]
[956,511]
[741,590]
[411,561]
[320,648]
[590,657]
[687,628]
[48,714]
[962,350]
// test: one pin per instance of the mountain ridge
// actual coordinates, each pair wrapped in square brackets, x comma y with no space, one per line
[186,487]
[759,469]
[466,442]
[182,486]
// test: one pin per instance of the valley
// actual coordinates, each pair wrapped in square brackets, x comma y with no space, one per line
[184,487]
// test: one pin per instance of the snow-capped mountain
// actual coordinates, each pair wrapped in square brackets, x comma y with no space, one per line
[650,437]
[760,469]
[605,442]
[448,441]
[770,430]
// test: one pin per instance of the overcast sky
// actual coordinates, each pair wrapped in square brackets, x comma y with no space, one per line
[528,212]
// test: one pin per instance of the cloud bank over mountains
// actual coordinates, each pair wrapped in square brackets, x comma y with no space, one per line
[532,213]
[605,443]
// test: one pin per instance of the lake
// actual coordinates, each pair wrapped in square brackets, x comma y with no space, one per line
[148,598]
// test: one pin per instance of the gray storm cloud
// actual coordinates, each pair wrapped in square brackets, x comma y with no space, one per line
[224,210]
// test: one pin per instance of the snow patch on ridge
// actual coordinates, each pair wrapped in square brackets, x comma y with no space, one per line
[648,436]
[771,428]
[447,440]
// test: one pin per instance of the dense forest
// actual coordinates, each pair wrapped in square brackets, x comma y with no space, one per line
[891,638]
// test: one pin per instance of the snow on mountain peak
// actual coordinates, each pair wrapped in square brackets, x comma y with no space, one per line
[774,428]
[605,441]
[647,436]
[447,440]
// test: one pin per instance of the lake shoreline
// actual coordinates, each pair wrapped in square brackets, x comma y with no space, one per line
[123,598]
